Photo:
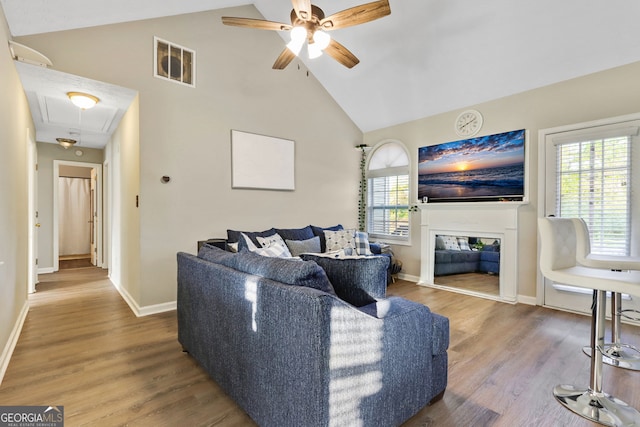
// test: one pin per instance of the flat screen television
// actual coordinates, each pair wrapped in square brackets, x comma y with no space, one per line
[486,168]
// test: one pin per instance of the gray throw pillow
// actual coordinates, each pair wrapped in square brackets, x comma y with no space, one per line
[297,247]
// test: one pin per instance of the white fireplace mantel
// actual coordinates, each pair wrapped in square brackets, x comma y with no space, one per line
[485,219]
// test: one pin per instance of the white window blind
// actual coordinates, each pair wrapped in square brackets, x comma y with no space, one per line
[388,192]
[389,206]
[593,177]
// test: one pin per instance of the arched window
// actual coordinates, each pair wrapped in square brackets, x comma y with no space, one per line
[388,191]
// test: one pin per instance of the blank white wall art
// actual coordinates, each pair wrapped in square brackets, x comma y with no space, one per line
[262,162]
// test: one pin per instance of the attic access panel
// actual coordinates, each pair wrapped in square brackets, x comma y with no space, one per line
[174,62]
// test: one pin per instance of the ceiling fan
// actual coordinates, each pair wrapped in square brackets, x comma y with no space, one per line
[308,23]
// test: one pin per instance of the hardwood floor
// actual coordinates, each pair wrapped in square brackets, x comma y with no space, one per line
[76,262]
[81,347]
[477,282]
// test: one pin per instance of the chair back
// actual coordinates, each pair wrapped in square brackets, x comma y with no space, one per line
[557,244]
[583,241]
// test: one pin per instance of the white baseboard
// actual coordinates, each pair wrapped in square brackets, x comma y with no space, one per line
[158,308]
[148,309]
[408,277]
[7,352]
[46,270]
[524,299]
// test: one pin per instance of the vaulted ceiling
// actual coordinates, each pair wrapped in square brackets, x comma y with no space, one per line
[427,57]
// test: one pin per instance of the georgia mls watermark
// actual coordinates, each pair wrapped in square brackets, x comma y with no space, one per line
[31,416]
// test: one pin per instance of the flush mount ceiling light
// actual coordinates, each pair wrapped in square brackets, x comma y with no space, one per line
[66,142]
[83,100]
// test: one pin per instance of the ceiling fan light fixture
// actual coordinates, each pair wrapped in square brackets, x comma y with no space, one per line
[83,100]
[298,36]
[314,50]
[321,39]
[66,142]
[295,47]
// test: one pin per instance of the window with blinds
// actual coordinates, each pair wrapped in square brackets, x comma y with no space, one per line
[389,206]
[388,192]
[593,178]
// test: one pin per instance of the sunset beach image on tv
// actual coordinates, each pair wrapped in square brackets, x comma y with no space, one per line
[486,168]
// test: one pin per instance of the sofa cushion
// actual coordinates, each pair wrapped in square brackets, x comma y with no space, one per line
[452,257]
[304,233]
[319,231]
[215,254]
[297,247]
[290,271]
[358,281]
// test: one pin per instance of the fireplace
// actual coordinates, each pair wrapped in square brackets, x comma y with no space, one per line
[491,221]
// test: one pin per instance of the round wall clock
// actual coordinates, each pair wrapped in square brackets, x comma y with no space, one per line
[468,123]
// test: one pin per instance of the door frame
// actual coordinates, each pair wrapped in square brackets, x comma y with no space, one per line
[544,170]
[98,206]
[33,223]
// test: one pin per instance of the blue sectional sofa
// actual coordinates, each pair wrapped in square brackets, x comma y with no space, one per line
[456,259]
[276,336]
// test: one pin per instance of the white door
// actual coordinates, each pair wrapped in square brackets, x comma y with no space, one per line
[94,216]
[587,174]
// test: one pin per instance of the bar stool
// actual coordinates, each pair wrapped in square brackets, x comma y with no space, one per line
[615,352]
[558,262]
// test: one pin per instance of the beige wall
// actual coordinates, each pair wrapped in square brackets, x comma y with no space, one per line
[47,153]
[185,134]
[123,185]
[15,125]
[610,93]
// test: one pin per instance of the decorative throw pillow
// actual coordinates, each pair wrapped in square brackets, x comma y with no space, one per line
[450,243]
[248,243]
[319,231]
[297,247]
[362,243]
[236,236]
[275,246]
[275,251]
[440,243]
[463,243]
[341,239]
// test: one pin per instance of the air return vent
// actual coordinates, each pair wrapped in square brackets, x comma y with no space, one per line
[174,62]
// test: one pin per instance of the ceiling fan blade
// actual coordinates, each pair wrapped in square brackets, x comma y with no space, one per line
[302,8]
[341,54]
[259,24]
[284,59]
[356,15]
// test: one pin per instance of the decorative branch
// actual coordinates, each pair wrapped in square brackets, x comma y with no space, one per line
[362,191]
